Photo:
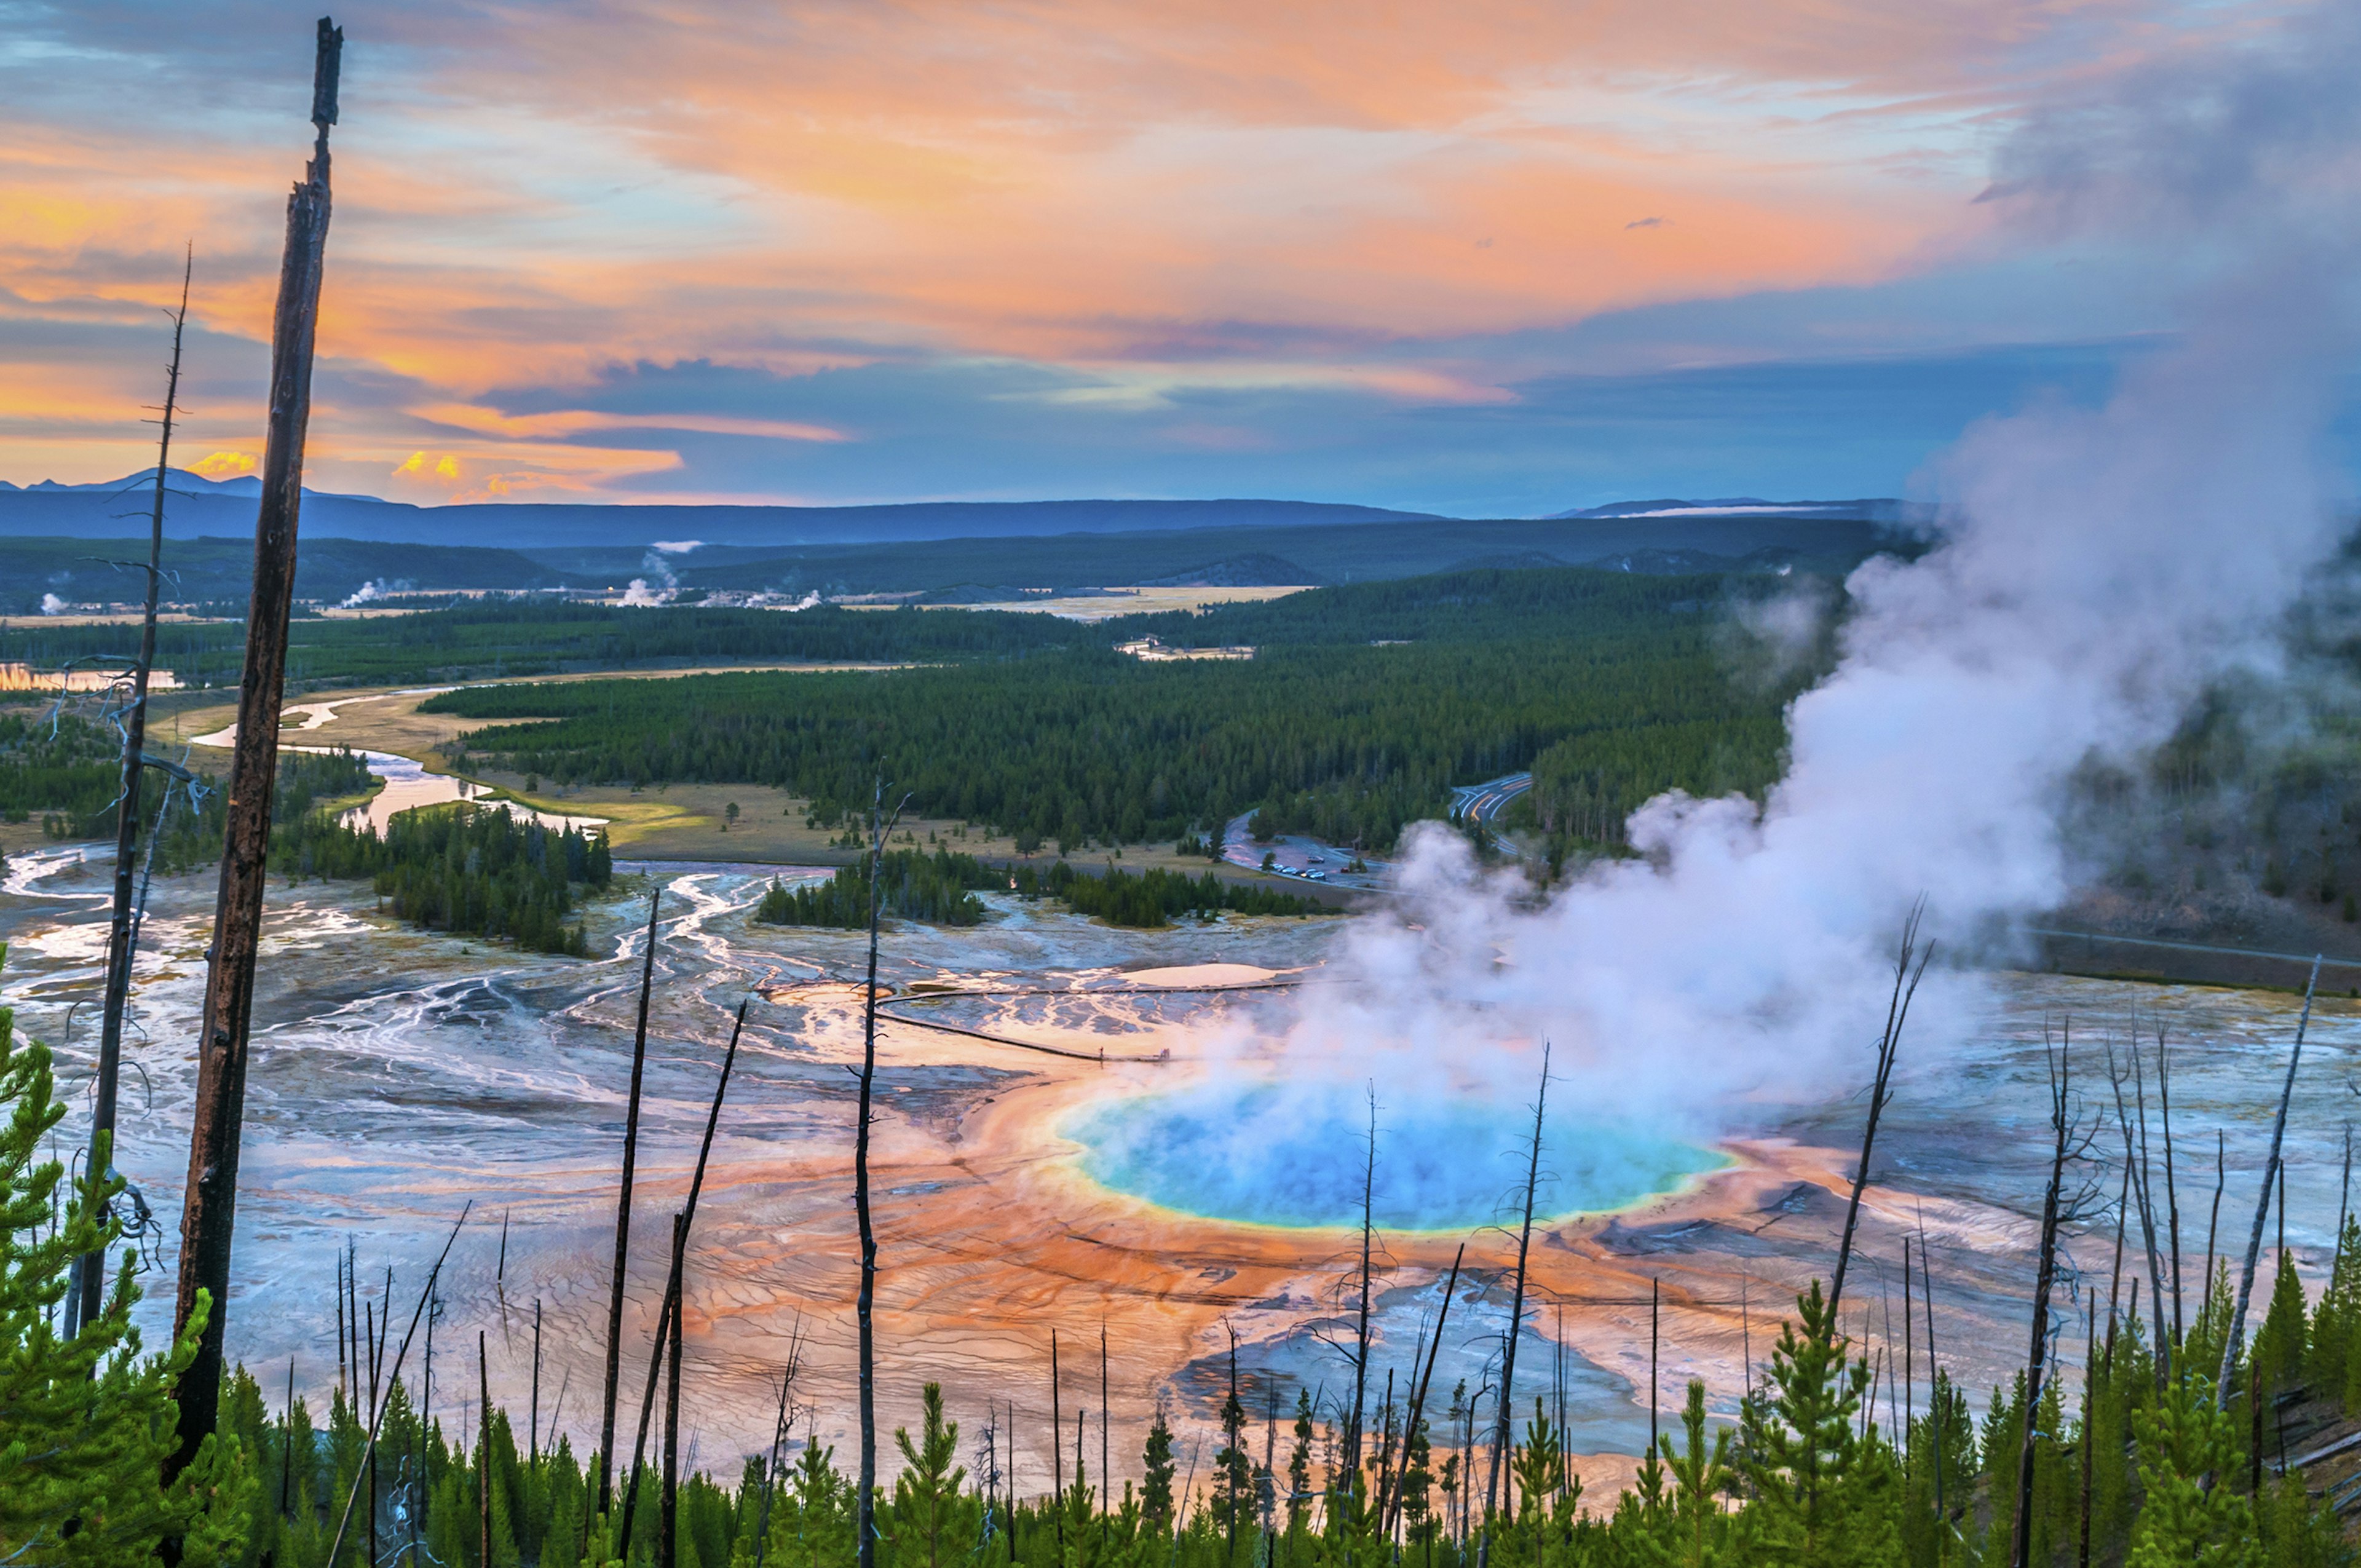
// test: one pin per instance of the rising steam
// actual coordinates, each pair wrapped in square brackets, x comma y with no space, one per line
[2093,571]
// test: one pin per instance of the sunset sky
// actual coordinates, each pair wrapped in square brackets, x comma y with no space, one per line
[1495,257]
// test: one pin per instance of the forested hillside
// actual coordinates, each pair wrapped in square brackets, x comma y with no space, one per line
[488,639]
[1367,703]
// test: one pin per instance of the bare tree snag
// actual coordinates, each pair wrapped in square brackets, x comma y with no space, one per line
[208,1213]
[1506,1404]
[623,1218]
[1889,1044]
[2263,1206]
[865,1304]
[82,1300]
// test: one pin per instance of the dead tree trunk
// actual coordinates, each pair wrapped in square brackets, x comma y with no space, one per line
[82,1300]
[2213,1225]
[2149,1226]
[1889,1044]
[668,1535]
[1507,1402]
[865,1304]
[335,1550]
[1352,1473]
[1434,1351]
[623,1220]
[2263,1206]
[668,1315]
[483,1452]
[2045,1269]
[2171,1190]
[1056,1449]
[208,1212]
[532,1441]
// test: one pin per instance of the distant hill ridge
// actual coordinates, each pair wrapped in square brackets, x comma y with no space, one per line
[199,507]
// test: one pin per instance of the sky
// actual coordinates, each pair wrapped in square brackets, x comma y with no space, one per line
[1502,258]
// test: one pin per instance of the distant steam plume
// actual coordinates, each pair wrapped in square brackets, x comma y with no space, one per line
[2093,571]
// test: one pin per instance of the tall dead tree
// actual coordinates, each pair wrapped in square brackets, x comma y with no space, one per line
[2057,1208]
[668,1315]
[1906,976]
[865,1305]
[1352,1471]
[90,1270]
[623,1218]
[2143,1191]
[1418,1395]
[483,1451]
[2229,1343]
[208,1212]
[668,1535]
[2171,1190]
[1505,1405]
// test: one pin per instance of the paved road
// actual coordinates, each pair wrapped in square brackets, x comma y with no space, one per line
[1485,801]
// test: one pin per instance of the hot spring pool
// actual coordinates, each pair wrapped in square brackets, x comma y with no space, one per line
[1295,1155]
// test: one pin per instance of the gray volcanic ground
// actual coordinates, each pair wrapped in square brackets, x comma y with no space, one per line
[398,1075]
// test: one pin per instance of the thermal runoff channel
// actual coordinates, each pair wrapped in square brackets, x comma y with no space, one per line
[1299,1155]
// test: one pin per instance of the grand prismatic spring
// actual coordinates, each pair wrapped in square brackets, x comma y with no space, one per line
[1064,1145]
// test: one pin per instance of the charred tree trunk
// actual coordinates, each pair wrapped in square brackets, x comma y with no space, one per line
[1507,1402]
[668,1314]
[1352,1428]
[2213,1225]
[533,1443]
[483,1454]
[2045,1269]
[1889,1044]
[82,1300]
[2171,1190]
[424,1295]
[668,1534]
[865,1304]
[2263,1207]
[623,1220]
[209,1210]
[1418,1394]
[1056,1449]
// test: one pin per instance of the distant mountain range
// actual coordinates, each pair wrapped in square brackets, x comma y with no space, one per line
[196,507]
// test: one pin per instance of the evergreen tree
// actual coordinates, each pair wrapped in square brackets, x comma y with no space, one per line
[1695,1531]
[2185,1446]
[1823,1497]
[86,1422]
[1299,1465]
[2283,1345]
[926,1495]
[1232,1470]
[1155,1482]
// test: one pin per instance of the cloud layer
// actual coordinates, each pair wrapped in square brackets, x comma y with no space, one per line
[1177,234]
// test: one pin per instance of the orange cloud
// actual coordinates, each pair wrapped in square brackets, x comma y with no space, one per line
[224,464]
[1205,192]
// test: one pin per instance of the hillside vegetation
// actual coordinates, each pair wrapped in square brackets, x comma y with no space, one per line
[1367,703]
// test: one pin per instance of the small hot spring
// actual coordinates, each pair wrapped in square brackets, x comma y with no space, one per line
[1295,1155]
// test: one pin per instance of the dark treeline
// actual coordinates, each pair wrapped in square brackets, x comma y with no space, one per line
[467,870]
[63,767]
[1154,896]
[940,890]
[1340,738]
[491,638]
[69,769]
[912,885]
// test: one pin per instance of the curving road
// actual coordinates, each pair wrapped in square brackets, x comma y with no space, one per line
[1485,801]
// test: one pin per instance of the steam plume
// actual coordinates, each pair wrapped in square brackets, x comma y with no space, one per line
[2091,572]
